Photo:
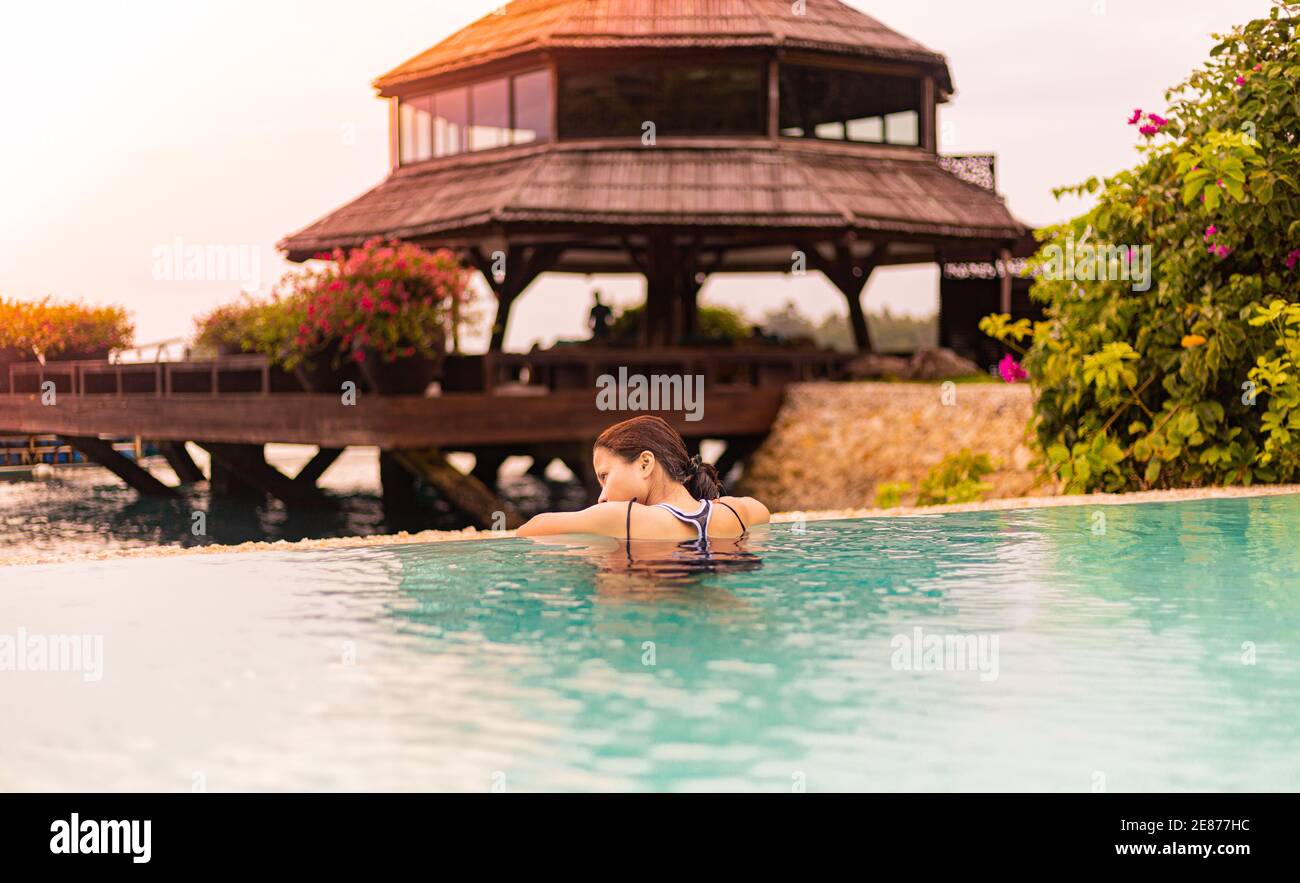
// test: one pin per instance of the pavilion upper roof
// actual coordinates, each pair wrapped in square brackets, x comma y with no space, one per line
[528,25]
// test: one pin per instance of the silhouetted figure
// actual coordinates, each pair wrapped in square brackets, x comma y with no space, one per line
[600,321]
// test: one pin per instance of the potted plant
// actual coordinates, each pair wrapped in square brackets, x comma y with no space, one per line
[75,332]
[386,309]
[15,337]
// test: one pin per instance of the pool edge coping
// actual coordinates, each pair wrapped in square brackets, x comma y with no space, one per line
[471,534]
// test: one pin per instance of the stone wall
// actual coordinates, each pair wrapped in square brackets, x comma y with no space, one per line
[834,443]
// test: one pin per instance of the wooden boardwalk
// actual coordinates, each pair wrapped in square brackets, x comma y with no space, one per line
[544,405]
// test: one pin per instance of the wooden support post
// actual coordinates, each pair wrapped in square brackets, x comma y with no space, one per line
[523,265]
[397,484]
[657,321]
[851,278]
[1005,279]
[738,450]
[247,463]
[314,468]
[179,459]
[131,472]
[487,466]
[464,492]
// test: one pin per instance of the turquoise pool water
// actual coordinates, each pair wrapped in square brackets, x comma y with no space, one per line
[1158,648]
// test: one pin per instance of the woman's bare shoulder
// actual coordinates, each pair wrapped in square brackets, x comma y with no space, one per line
[750,509]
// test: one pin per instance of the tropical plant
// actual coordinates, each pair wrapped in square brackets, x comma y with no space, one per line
[956,479]
[63,330]
[1189,379]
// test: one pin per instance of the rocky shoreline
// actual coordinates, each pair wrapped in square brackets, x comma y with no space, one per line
[833,445]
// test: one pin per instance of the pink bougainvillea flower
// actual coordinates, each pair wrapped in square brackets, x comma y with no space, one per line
[1149,130]
[1010,369]
[1292,259]
[1157,120]
[1137,115]
[358,356]
[1241,81]
[1210,231]
[366,303]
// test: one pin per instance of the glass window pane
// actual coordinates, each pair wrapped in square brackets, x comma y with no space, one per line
[903,128]
[490,126]
[415,128]
[679,99]
[828,103]
[871,129]
[532,107]
[450,121]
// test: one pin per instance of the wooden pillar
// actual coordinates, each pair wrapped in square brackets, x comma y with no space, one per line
[487,466]
[179,459]
[314,468]
[131,472]
[738,450]
[464,492]
[850,277]
[1005,279]
[396,484]
[657,328]
[523,264]
[247,464]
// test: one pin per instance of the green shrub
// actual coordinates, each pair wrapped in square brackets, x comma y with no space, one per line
[717,325]
[956,480]
[1192,382]
[889,494]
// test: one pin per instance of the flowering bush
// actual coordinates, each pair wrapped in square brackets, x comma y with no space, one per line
[1193,380]
[226,328]
[63,330]
[392,299]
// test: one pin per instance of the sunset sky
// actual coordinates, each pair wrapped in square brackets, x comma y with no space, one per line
[130,126]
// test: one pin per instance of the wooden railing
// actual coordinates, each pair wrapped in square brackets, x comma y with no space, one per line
[244,374]
[500,373]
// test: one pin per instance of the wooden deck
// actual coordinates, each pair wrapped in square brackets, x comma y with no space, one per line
[450,422]
[543,404]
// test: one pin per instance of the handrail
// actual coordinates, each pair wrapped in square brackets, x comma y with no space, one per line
[741,367]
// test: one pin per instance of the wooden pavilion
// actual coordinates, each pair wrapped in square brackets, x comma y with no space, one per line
[674,139]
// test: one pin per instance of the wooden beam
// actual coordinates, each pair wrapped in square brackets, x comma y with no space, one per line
[179,459]
[314,468]
[841,273]
[464,492]
[248,464]
[451,422]
[131,472]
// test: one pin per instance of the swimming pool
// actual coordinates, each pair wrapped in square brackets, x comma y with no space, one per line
[1126,648]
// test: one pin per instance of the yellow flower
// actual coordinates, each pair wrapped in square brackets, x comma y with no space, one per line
[1192,340]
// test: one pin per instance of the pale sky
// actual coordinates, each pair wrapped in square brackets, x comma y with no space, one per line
[131,126]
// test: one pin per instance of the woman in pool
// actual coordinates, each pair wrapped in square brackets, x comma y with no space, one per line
[652,489]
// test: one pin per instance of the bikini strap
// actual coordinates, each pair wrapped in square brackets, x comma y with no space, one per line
[743,529]
[630,504]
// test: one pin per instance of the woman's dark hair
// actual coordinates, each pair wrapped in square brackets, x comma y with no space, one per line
[648,433]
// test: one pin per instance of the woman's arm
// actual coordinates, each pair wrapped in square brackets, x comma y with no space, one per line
[606,519]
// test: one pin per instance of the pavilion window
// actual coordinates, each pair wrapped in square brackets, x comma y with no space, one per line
[494,113]
[679,98]
[416,126]
[840,105]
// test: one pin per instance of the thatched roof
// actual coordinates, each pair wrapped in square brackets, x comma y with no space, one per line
[531,25]
[736,188]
